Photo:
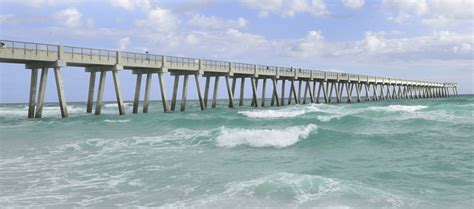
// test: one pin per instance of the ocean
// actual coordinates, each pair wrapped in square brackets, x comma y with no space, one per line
[383,154]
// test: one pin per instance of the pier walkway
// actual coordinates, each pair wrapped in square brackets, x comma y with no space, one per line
[305,86]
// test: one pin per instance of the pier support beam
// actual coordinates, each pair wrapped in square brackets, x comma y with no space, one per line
[263,91]
[349,92]
[136,99]
[32,101]
[216,88]
[60,90]
[185,92]
[206,90]
[282,102]
[163,92]
[254,91]
[275,92]
[100,93]
[242,85]
[229,92]
[330,92]
[146,99]
[41,92]
[198,89]
[175,92]
[90,96]
[299,92]
[118,92]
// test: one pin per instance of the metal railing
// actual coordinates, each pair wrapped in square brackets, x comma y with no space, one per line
[183,62]
[82,52]
[141,57]
[29,47]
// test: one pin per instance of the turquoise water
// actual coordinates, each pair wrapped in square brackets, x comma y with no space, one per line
[386,154]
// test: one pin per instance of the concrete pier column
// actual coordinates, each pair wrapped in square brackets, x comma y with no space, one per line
[136,98]
[175,92]
[275,91]
[206,90]
[330,92]
[264,84]
[338,92]
[299,92]
[282,103]
[325,91]
[254,91]
[234,81]
[163,92]
[90,94]
[118,92]
[198,89]
[100,93]
[321,87]
[60,90]
[382,93]
[394,92]
[32,101]
[358,87]
[41,92]
[229,92]
[185,92]
[254,95]
[311,92]
[313,100]
[290,93]
[293,90]
[146,99]
[375,96]
[216,88]
[242,85]
[305,94]
[367,94]
[349,92]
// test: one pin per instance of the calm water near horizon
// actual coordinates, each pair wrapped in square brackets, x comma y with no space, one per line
[384,154]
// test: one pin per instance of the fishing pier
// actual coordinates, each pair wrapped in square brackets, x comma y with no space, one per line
[305,86]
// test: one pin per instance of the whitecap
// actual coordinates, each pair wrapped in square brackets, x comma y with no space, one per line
[279,138]
[116,121]
[289,112]
[399,108]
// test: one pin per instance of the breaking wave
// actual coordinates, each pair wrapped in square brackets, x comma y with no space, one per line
[279,138]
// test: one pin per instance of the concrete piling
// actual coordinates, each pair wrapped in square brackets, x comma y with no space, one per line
[41,92]
[146,99]
[90,95]
[136,98]
[60,90]
[32,101]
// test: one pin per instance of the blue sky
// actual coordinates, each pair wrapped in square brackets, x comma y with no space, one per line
[412,39]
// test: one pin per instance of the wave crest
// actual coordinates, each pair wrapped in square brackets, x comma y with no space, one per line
[279,138]
[399,108]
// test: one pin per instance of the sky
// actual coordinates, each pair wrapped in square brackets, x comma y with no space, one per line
[410,39]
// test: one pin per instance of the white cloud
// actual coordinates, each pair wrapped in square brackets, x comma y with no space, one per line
[131,4]
[159,19]
[5,18]
[404,9]
[354,4]
[434,13]
[123,43]
[216,22]
[39,3]
[69,17]
[288,8]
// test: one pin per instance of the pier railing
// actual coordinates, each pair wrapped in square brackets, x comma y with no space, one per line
[17,50]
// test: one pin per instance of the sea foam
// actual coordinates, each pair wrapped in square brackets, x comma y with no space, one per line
[399,108]
[279,138]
